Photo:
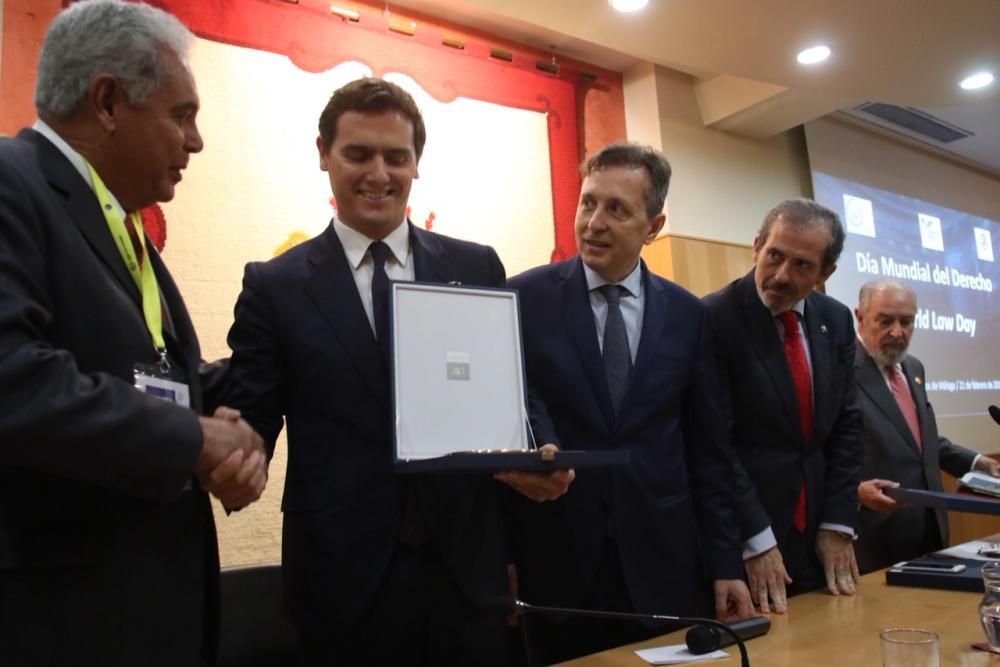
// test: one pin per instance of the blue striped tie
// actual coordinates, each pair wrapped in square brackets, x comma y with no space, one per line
[617,356]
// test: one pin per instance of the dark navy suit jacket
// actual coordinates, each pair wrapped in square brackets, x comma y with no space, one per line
[670,510]
[764,414]
[104,559]
[304,354]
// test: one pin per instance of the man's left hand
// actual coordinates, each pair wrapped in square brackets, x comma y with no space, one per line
[836,552]
[988,465]
[732,600]
[539,486]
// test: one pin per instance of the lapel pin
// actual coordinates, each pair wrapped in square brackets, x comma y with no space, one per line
[918,380]
[822,328]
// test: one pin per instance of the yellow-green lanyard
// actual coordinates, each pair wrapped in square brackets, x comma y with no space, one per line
[145,279]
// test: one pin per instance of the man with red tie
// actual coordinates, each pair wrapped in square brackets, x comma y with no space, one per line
[900,437]
[785,355]
[108,551]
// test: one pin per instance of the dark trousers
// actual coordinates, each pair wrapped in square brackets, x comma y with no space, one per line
[557,639]
[419,618]
[803,564]
[148,598]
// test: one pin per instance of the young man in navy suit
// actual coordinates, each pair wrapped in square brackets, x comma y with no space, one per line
[621,358]
[378,569]
[786,358]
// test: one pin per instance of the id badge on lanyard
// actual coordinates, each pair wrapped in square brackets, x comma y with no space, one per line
[154,380]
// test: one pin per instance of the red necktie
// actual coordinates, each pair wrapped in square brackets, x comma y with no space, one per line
[901,391]
[133,235]
[795,351]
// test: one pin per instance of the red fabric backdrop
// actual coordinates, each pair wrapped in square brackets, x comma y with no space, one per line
[315,41]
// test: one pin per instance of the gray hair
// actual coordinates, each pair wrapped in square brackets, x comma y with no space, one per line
[123,39]
[627,154]
[877,285]
[806,212]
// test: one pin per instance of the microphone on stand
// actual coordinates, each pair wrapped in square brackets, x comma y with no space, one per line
[721,634]
[995,413]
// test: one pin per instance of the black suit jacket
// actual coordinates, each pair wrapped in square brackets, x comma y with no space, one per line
[891,452]
[764,417]
[304,353]
[103,558]
[670,510]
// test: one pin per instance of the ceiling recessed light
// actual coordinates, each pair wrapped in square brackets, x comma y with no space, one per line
[628,5]
[813,55]
[977,80]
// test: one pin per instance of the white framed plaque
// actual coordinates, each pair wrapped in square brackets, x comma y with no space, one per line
[458,371]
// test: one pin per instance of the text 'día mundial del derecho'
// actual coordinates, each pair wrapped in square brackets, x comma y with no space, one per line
[925,272]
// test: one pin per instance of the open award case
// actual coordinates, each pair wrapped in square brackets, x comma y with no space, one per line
[972,503]
[458,384]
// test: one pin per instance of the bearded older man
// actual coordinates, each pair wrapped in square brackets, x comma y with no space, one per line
[900,436]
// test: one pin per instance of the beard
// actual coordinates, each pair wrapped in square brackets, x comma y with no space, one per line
[889,356]
[785,295]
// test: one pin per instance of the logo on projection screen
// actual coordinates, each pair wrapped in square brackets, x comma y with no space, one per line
[930,232]
[984,244]
[858,216]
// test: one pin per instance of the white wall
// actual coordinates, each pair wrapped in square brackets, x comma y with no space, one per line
[723,184]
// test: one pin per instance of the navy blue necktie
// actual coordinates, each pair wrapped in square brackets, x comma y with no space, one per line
[617,355]
[380,295]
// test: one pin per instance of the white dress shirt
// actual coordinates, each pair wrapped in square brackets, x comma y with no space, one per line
[398,266]
[632,305]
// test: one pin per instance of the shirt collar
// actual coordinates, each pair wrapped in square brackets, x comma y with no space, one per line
[356,244]
[799,307]
[78,161]
[632,282]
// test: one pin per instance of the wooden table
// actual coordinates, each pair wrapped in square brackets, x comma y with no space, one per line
[821,629]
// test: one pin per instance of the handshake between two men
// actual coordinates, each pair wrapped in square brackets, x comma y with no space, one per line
[232,465]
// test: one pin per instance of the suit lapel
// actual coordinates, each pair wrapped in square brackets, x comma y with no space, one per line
[83,208]
[872,382]
[654,321]
[430,265]
[331,286]
[177,326]
[818,334]
[579,318]
[763,332]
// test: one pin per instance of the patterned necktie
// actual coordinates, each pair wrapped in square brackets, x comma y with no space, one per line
[617,355]
[901,391]
[380,295]
[795,351]
[140,257]
[133,236]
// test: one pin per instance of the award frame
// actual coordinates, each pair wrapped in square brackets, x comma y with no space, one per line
[458,384]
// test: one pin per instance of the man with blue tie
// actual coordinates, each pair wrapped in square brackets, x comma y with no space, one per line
[785,354]
[621,358]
